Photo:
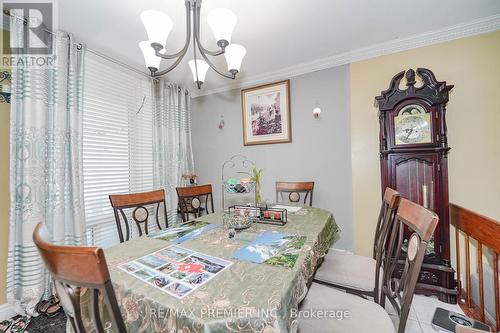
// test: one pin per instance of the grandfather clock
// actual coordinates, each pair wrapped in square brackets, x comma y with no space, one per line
[413,158]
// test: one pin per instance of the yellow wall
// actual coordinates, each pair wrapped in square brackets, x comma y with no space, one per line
[4,194]
[473,118]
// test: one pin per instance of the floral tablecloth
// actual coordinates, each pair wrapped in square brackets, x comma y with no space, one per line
[246,297]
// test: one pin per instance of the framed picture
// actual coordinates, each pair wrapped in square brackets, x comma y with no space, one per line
[266,114]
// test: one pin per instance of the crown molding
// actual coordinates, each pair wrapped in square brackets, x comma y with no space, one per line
[462,30]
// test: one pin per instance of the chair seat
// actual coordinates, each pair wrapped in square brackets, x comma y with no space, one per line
[348,270]
[364,315]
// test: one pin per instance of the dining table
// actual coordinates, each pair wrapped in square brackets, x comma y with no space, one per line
[244,297]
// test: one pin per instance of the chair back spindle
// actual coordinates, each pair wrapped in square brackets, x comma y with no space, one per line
[193,198]
[137,202]
[294,192]
[77,270]
[385,222]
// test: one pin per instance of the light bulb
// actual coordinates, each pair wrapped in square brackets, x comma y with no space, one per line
[234,56]
[158,25]
[201,66]
[152,61]
[222,21]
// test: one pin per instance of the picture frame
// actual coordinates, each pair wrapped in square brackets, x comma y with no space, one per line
[266,114]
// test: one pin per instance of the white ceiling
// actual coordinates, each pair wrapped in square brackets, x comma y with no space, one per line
[276,33]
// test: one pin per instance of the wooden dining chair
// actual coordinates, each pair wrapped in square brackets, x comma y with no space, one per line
[295,191]
[364,315]
[74,269]
[359,274]
[421,224]
[193,198]
[140,213]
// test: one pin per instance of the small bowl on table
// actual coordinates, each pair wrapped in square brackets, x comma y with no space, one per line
[237,222]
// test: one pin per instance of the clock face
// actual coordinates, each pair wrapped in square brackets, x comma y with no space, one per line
[412,125]
[411,109]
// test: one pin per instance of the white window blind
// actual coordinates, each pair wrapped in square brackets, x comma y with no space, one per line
[117,143]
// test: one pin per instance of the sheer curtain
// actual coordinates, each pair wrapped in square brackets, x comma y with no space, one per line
[45,165]
[172,150]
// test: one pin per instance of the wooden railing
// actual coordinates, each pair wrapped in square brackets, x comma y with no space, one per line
[486,232]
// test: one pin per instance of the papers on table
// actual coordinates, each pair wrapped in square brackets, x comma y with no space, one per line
[185,232]
[274,248]
[290,209]
[176,270]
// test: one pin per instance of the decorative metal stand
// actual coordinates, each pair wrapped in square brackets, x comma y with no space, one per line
[234,191]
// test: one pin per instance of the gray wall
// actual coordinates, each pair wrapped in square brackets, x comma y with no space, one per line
[320,148]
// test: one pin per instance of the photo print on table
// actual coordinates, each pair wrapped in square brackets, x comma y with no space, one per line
[274,248]
[163,269]
[184,232]
[196,279]
[167,269]
[210,264]
[179,275]
[144,274]
[160,281]
[151,261]
[131,267]
[178,289]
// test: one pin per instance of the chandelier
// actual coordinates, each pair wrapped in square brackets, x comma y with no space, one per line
[222,21]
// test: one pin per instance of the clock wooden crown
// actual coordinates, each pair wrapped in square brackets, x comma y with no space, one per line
[431,96]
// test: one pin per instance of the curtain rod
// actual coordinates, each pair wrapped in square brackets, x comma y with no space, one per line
[97,53]
[115,61]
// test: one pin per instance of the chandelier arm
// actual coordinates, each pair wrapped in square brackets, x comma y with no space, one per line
[229,76]
[174,64]
[182,52]
[196,32]
[202,50]
[198,83]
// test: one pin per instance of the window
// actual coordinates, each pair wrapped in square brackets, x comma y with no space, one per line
[117,142]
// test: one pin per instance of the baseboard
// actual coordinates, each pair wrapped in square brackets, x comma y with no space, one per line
[6,311]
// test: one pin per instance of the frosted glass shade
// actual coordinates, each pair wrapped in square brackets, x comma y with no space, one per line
[149,55]
[222,21]
[234,56]
[202,69]
[158,25]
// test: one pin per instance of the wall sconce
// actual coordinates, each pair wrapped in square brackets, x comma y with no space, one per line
[316,111]
[5,79]
[222,123]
